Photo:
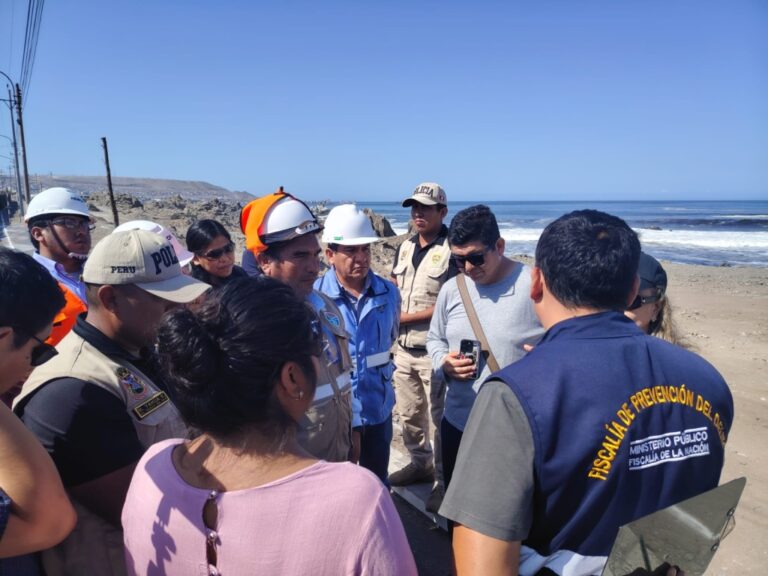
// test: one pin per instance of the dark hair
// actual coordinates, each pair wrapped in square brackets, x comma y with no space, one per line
[30,298]
[38,222]
[202,233]
[476,223]
[589,259]
[221,362]
[199,236]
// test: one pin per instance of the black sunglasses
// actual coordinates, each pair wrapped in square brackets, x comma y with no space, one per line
[642,300]
[476,259]
[219,252]
[41,353]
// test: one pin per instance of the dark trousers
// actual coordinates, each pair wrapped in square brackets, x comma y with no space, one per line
[374,448]
[450,436]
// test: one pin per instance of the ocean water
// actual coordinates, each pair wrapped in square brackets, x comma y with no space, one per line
[712,233]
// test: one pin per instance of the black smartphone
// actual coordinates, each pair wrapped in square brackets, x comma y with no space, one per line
[470,349]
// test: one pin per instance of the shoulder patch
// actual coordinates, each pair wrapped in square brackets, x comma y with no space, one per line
[333,319]
[153,403]
[436,258]
[131,382]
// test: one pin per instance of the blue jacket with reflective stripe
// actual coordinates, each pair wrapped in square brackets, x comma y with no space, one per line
[372,326]
[623,424]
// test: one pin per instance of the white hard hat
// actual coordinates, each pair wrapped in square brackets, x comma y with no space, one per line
[56,201]
[348,226]
[184,255]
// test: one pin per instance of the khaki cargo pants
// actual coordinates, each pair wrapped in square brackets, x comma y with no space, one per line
[420,402]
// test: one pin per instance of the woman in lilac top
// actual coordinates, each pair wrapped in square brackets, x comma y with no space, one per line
[243,497]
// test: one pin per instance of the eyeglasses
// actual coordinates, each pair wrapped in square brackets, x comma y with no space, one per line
[219,252]
[71,223]
[476,259]
[642,300]
[42,352]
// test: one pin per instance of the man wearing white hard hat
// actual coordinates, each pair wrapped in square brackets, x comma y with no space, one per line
[281,231]
[100,403]
[60,227]
[371,309]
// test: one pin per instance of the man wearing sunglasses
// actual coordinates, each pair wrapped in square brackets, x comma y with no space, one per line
[599,425]
[60,227]
[498,287]
[35,512]
[100,403]
[421,266]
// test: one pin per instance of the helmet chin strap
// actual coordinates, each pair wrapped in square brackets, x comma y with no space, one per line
[73,255]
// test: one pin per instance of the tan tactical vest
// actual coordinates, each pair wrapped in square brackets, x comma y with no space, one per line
[419,287]
[325,431]
[96,546]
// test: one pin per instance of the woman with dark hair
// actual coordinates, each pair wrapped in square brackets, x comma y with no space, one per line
[243,497]
[214,261]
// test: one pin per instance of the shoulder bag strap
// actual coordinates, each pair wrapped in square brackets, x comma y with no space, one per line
[475,321]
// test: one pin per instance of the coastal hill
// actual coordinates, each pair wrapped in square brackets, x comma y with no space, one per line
[141,188]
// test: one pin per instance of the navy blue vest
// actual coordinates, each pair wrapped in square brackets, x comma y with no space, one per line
[623,425]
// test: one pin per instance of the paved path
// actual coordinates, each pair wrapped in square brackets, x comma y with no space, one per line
[16,236]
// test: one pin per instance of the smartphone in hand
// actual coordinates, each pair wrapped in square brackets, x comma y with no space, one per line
[470,349]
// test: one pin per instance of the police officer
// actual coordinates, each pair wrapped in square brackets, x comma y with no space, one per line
[281,231]
[60,227]
[100,403]
[371,309]
[422,265]
[599,425]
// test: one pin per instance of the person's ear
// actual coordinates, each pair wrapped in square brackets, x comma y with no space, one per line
[537,284]
[292,390]
[329,256]
[443,211]
[37,233]
[107,296]
[265,262]
[634,291]
[5,332]
[500,244]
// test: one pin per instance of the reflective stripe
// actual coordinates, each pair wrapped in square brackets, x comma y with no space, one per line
[379,359]
[343,383]
[323,392]
[562,562]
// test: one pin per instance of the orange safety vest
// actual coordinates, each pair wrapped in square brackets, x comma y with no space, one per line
[66,318]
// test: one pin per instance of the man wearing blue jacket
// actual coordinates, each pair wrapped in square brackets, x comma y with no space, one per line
[370,306]
[599,425]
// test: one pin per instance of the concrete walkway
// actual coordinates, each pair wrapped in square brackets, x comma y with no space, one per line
[16,236]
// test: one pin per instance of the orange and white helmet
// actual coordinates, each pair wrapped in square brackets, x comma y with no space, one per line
[277,217]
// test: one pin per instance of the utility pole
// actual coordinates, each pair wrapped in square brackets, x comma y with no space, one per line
[15,154]
[23,141]
[109,183]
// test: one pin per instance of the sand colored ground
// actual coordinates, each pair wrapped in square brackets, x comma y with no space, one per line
[724,314]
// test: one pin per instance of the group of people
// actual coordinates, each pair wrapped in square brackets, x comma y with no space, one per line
[198,417]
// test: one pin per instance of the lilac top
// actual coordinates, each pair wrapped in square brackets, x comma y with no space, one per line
[325,519]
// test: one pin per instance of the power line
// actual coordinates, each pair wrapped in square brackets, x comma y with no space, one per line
[34,18]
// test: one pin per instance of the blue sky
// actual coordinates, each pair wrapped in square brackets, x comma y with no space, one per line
[537,100]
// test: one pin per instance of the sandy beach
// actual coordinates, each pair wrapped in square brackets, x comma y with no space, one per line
[724,313]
